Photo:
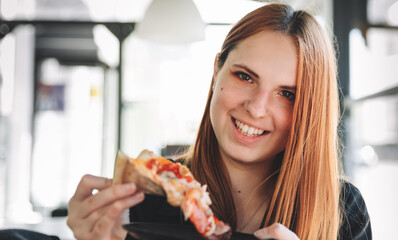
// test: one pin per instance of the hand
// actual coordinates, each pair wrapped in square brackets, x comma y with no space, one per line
[276,231]
[97,216]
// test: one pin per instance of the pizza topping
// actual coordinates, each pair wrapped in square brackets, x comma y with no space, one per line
[176,168]
[174,191]
[204,201]
[201,221]
[152,164]
[184,170]
[167,174]
[182,190]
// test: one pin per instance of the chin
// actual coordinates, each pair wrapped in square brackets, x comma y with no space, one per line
[247,155]
[243,156]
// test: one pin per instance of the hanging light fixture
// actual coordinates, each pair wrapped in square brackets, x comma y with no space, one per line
[393,14]
[172,22]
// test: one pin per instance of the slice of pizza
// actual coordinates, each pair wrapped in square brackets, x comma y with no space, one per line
[154,174]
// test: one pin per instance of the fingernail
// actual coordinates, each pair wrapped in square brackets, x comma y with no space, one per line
[138,195]
[130,187]
[133,186]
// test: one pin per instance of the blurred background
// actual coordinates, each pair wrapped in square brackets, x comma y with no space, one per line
[80,79]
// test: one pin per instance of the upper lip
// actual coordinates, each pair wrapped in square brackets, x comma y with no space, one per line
[250,125]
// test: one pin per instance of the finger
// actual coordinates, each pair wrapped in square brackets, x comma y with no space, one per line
[83,228]
[84,190]
[105,197]
[88,183]
[276,231]
[107,220]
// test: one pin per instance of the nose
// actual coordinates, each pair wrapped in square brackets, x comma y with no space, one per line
[259,103]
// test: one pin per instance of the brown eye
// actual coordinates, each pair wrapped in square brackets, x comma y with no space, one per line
[289,95]
[244,77]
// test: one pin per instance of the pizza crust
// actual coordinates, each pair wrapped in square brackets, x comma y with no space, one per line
[132,170]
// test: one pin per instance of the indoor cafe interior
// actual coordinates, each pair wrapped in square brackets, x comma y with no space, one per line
[80,79]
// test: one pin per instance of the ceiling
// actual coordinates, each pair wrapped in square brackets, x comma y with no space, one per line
[60,43]
[133,11]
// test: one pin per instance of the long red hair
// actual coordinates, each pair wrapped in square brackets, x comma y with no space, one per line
[306,194]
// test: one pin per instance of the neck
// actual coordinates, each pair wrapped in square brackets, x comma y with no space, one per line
[252,186]
[250,178]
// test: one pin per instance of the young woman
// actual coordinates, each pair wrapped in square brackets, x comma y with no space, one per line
[267,146]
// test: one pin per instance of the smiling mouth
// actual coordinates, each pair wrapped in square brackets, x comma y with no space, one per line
[248,130]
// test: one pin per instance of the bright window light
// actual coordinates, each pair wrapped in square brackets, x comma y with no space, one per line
[7,62]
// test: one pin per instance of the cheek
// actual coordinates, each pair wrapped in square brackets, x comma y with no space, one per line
[222,102]
[214,110]
[223,99]
[285,120]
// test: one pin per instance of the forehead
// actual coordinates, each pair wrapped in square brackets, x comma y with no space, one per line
[268,42]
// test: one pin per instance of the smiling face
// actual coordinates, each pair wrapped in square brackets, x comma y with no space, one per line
[252,104]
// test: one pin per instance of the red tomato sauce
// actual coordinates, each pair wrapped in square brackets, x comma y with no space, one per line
[170,167]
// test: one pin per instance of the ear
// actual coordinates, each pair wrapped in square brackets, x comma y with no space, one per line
[215,71]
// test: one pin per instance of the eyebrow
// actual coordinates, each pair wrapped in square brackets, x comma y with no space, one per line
[293,88]
[246,68]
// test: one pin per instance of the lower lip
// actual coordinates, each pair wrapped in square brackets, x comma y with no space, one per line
[243,138]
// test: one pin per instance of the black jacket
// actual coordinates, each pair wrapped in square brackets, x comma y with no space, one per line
[355,224]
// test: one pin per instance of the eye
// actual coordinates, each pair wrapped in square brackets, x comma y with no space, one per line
[289,95]
[245,77]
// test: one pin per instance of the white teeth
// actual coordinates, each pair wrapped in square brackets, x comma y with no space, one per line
[251,131]
[247,130]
